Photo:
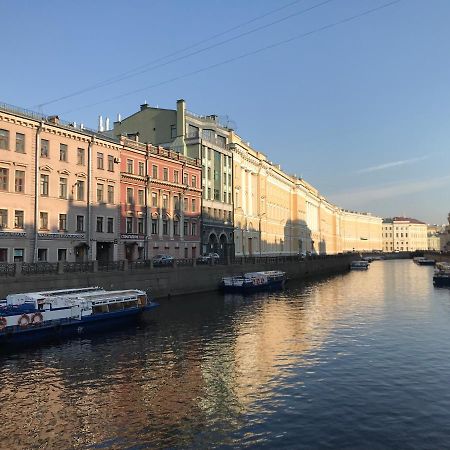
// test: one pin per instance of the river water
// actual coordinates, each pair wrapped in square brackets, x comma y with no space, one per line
[358,361]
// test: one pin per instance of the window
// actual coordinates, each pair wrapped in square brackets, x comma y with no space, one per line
[100,190]
[19,255]
[80,223]
[176,228]
[62,152]
[129,195]
[175,176]
[129,166]
[62,254]
[19,183]
[140,225]
[99,225]
[110,225]
[18,219]
[110,194]
[208,134]
[193,229]
[194,181]
[173,131]
[4,139]
[185,179]
[176,202]
[63,188]
[44,185]
[165,201]
[80,156]
[4,175]
[43,222]
[42,254]
[216,194]
[140,197]
[3,218]
[192,131]
[80,190]
[221,141]
[3,255]
[166,174]
[186,204]
[154,226]
[20,143]
[185,227]
[209,173]
[45,148]
[193,205]
[129,224]
[99,160]
[154,171]
[110,163]
[62,223]
[209,193]
[141,169]
[154,199]
[165,227]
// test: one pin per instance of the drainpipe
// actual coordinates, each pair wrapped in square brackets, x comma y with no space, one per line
[88,199]
[146,234]
[36,190]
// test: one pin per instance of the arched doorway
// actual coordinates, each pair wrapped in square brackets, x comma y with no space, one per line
[213,243]
[223,248]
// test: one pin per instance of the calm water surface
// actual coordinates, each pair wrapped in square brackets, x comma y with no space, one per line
[359,361]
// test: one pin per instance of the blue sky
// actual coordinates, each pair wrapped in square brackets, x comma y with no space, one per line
[361,110]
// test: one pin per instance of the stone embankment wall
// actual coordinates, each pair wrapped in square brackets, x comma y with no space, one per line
[164,281]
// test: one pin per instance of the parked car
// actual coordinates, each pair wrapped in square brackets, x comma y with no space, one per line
[162,260]
[205,259]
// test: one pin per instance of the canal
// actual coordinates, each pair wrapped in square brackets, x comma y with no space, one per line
[355,361]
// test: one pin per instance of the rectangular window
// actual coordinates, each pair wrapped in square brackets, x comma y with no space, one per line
[176,228]
[216,194]
[129,195]
[18,219]
[175,176]
[193,229]
[62,152]
[209,193]
[154,199]
[44,185]
[62,254]
[100,190]
[193,205]
[192,131]
[45,148]
[80,223]
[4,179]
[80,190]
[129,224]
[165,201]
[185,227]
[19,255]
[63,188]
[110,194]
[43,222]
[110,163]
[140,197]
[165,227]
[129,166]
[173,131]
[42,254]
[141,169]
[194,181]
[154,226]
[140,225]
[3,218]
[3,255]
[176,202]
[154,171]
[62,223]
[186,204]
[99,160]
[20,143]
[166,174]
[110,225]
[99,225]
[19,183]
[80,156]
[4,139]
[186,179]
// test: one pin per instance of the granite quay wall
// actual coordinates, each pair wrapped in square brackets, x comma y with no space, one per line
[183,278]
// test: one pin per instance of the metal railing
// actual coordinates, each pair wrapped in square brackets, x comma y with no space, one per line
[39,268]
[7,270]
[111,266]
[78,267]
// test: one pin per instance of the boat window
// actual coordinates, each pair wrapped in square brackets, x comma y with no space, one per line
[100,309]
[116,307]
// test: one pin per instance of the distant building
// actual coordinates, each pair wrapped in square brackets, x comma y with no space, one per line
[404,234]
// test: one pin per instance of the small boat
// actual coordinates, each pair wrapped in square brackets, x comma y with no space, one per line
[67,312]
[254,281]
[441,275]
[421,261]
[359,265]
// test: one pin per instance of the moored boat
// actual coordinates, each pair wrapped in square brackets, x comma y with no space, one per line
[67,312]
[254,281]
[425,262]
[359,265]
[441,275]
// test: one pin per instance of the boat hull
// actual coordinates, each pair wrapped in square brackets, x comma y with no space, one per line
[66,328]
[248,288]
[440,281]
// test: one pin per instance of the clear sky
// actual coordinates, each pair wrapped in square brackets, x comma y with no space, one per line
[359,108]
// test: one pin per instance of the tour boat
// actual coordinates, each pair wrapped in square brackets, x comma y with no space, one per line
[254,281]
[359,265]
[424,261]
[67,312]
[442,274]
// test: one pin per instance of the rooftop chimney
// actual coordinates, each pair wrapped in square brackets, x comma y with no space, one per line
[53,119]
[100,123]
[144,106]
[107,124]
